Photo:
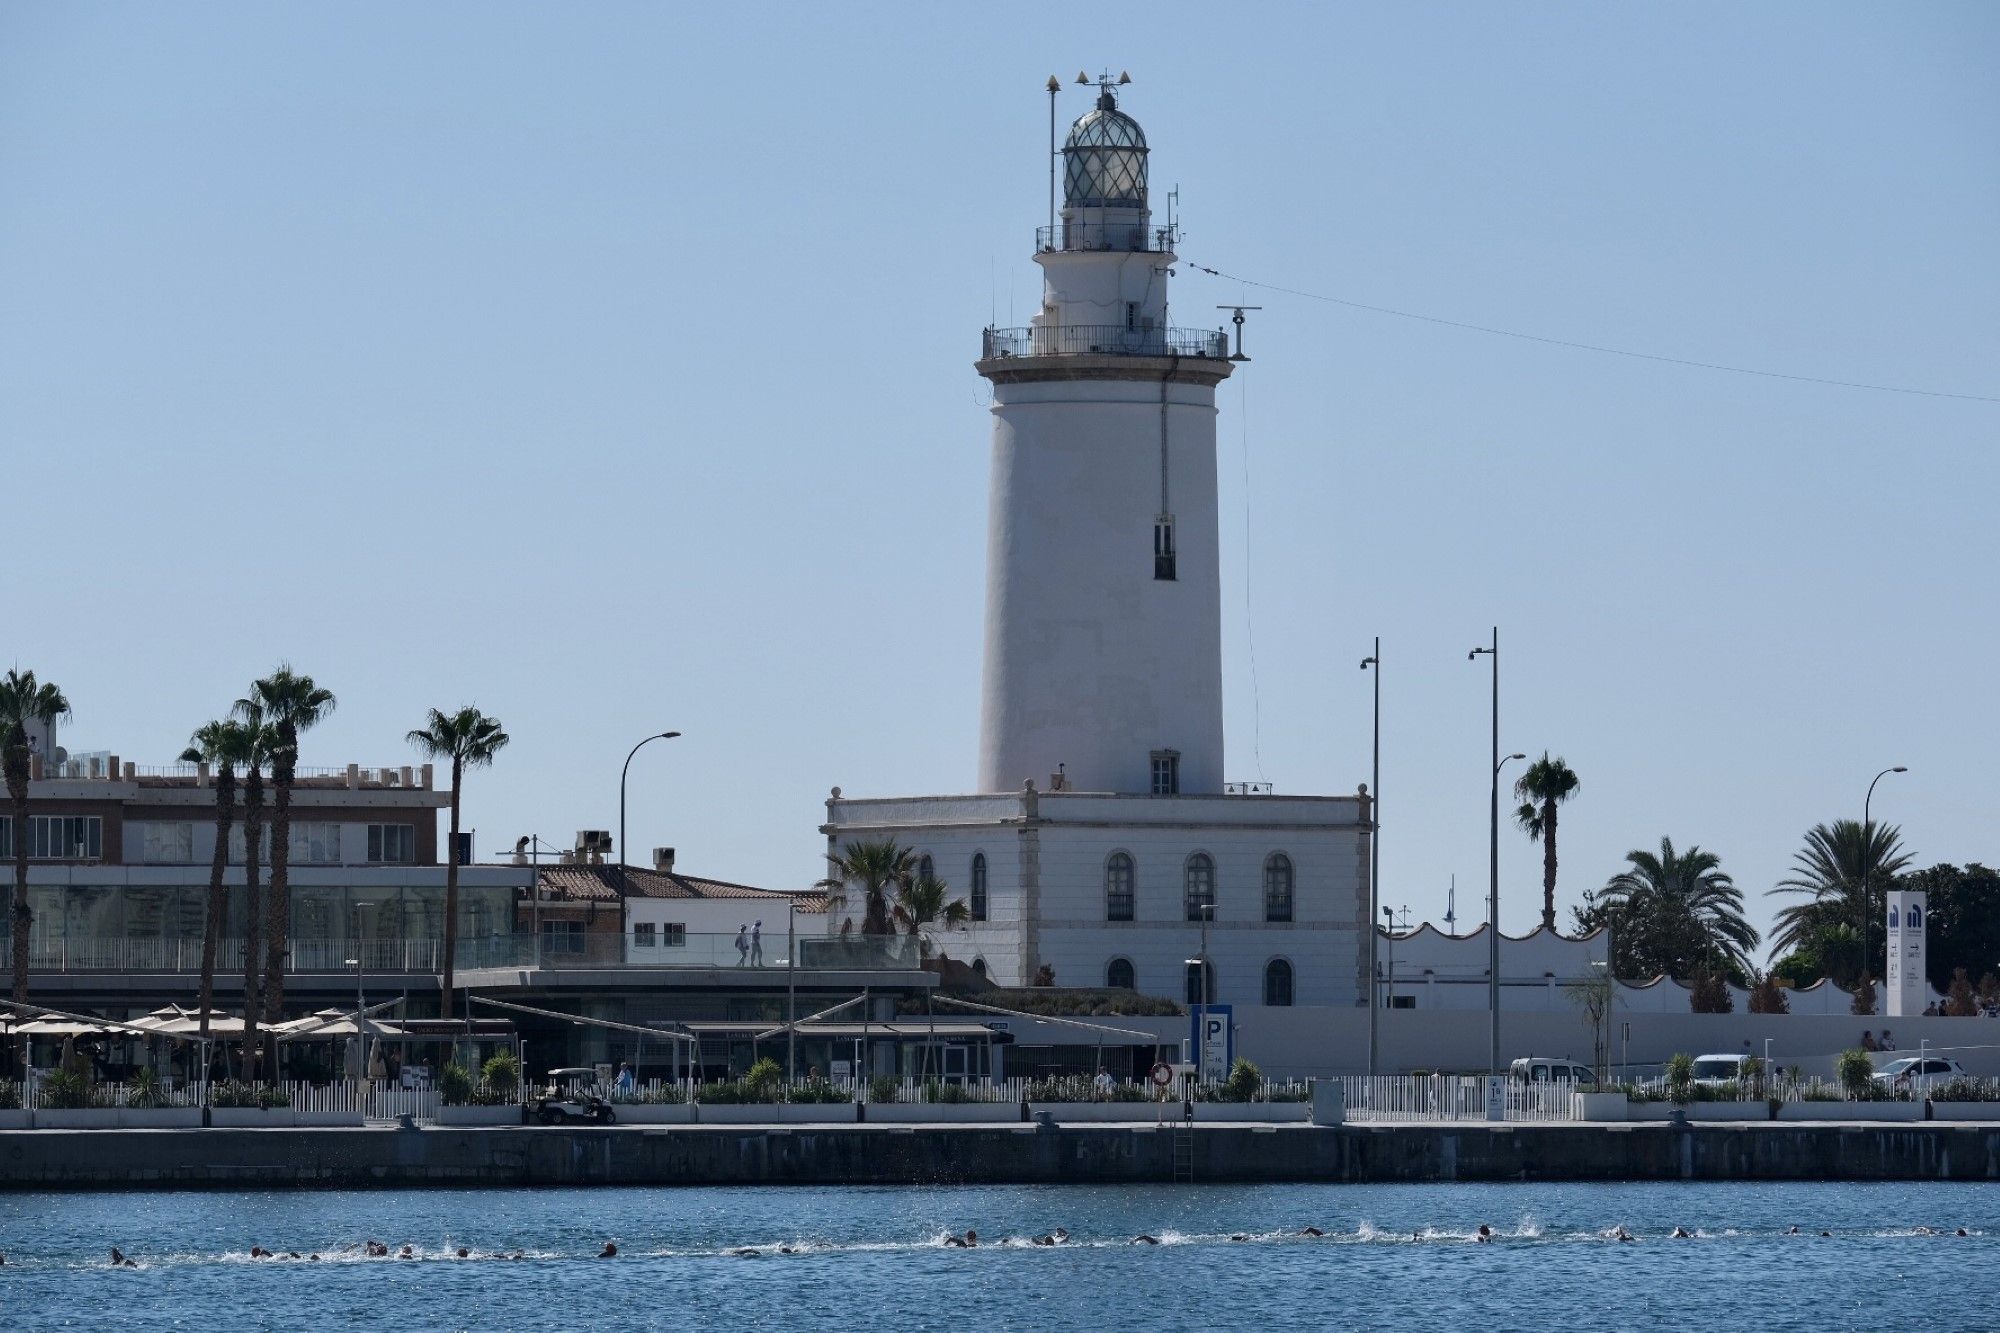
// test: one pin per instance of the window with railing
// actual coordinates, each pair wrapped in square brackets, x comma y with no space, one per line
[1166,773]
[1278,983]
[643,935]
[1118,893]
[1278,887]
[1164,564]
[1198,890]
[57,838]
[1119,975]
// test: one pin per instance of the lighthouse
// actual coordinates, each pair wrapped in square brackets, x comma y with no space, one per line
[1101,845]
[1103,652]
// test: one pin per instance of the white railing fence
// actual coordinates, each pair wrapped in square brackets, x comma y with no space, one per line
[1440,1098]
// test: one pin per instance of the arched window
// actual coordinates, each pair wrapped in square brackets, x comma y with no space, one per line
[978,903]
[979,966]
[1118,975]
[1118,887]
[926,868]
[1195,972]
[1198,887]
[1278,982]
[1278,887]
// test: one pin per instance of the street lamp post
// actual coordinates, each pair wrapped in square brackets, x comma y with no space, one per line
[791,990]
[1200,963]
[1493,912]
[622,773]
[1374,661]
[1868,871]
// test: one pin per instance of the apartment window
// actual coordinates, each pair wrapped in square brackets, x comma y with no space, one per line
[161,842]
[1278,983]
[312,843]
[1118,975]
[392,843]
[926,868]
[643,936]
[674,934]
[1196,972]
[1278,887]
[978,903]
[57,838]
[1166,773]
[562,937]
[1163,548]
[1131,315]
[1118,879]
[1198,887]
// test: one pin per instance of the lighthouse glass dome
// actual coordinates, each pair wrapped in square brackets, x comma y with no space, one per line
[1104,160]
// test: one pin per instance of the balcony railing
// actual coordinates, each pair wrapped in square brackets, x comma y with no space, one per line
[1104,340]
[1125,236]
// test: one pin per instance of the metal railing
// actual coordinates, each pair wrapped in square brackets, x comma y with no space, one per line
[1114,236]
[1104,340]
[1442,1098]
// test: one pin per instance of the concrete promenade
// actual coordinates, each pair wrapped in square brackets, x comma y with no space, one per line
[33,1160]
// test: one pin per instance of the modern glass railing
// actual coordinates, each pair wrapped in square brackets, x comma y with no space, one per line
[1103,340]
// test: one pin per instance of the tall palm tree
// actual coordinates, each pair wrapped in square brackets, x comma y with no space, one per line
[291,703]
[1686,902]
[925,902]
[223,744]
[1547,783]
[469,739]
[24,702]
[876,866]
[262,739]
[1844,870]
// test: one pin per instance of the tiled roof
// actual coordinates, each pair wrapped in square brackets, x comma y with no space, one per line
[601,882]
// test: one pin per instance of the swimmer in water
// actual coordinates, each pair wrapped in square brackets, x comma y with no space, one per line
[377,1250]
[1145,1240]
[1923,1231]
[748,1252]
[462,1252]
[1485,1235]
[312,1258]
[1312,1231]
[1239,1236]
[1826,1233]
[406,1253]
[786,1249]
[1622,1235]
[1681,1233]
[609,1251]
[1792,1230]
[117,1256]
[1961,1231]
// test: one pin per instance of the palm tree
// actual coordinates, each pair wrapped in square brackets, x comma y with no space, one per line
[1547,783]
[877,866]
[1845,870]
[469,739]
[24,702]
[925,902]
[262,738]
[223,744]
[291,703]
[1686,904]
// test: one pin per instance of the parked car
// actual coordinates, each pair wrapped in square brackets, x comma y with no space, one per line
[1548,1069]
[1918,1069]
[1713,1071]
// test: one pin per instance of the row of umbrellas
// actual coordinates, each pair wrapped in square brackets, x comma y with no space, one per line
[174,1021]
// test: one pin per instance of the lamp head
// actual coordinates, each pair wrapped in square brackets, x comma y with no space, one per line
[668,735]
[1055,84]
[1899,769]
[1516,756]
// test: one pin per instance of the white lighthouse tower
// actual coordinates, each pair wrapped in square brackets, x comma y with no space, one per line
[1102,846]
[1103,608]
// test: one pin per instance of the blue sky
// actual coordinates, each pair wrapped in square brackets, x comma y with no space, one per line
[609,366]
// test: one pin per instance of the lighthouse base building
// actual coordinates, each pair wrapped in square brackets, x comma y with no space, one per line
[1105,847]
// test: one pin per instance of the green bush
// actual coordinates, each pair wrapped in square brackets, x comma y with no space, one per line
[1856,1072]
[728,1092]
[67,1090]
[939,1093]
[882,1089]
[1965,1089]
[667,1094]
[765,1082]
[143,1092]
[232,1095]
[502,1073]
[816,1092]
[1244,1082]
[271,1096]
[1680,1079]
[454,1085]
[1129,1092]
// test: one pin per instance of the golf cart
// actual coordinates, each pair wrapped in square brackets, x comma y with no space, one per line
[571,1094]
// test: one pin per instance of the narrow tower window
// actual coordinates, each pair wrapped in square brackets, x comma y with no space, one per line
[978,903]
[1166,773]
[1163,547]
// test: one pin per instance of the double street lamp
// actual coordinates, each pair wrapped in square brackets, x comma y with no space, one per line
[1493,859]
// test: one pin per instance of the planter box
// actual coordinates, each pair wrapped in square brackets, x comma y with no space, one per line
[1238,1112]
[776,1113]
[479,1115]
[243,1117]
[1117,1113]
[96,1117]
[1700,1111]
[1939,1111]
[1600,1107]
[164,1117]
[654,1113]
[944,1113]
[14,1119]
[1851,1111]
[819,1113]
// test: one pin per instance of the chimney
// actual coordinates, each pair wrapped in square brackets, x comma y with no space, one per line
[201,773]
[428,775]
[354,777]
[409,776]
[663,860]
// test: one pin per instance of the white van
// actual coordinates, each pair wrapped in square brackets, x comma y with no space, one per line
[1712,1071]
[1546,1069]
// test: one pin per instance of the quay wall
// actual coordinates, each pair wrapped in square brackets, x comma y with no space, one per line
[39,1160]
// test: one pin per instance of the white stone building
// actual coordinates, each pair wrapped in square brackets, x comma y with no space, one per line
[1107,845]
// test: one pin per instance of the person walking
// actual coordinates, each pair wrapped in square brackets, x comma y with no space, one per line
[757,944]
[626,1083]
[742,945]
[1101,1085]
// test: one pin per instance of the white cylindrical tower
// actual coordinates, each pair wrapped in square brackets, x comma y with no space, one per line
[1103,606]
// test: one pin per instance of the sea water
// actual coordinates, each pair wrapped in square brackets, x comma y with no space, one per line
[1403,1256]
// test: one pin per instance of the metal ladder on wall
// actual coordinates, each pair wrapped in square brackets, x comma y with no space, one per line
[1184,1154]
